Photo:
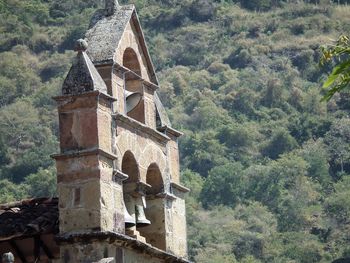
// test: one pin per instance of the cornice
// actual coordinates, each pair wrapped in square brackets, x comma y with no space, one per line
[142,127]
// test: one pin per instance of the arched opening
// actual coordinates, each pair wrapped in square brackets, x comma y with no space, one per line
[130,61]
[130,167]
[134,103]
[154,178]
[155,233]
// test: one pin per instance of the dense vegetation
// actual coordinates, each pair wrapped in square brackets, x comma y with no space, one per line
[267,162]
[339,79]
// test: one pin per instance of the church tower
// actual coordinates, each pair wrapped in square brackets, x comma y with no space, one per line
[120,197]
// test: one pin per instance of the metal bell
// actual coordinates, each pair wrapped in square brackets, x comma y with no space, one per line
[8,258]
[129,220]
[132,100]
[141,219]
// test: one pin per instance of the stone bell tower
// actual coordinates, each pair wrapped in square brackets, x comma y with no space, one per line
[120,197]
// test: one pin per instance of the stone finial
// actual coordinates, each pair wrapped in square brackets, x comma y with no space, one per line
[81,45]
[111,6]
[82,76]
[8,258]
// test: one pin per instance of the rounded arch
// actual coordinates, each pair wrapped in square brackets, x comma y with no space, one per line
[130,167]
[154,154]
[155,179]
[131,61]
[155,233]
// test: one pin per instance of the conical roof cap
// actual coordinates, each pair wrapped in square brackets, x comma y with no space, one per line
[82,76]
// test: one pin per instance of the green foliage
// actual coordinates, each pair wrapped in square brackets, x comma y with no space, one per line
[338,141]
[10,192]
[223,185]
[202,10]
[273,94]
[281,141]
[338,203]
[339,79]
[239,59]
[298,247]
[266,161]
[42,183]
[260,5]
[316,155]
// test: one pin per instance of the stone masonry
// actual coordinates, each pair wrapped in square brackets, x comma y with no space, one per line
[120,197]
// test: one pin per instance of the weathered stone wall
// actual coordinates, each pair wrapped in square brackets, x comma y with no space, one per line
[133,257]
[106,73]
[97,252]
[177,229]
[147,150]
[155,233]
[173,159]
[118,90]
[95,135]
[167,215]
[89,198]
[150,107]
[104,121]
[130,40]
[76,116]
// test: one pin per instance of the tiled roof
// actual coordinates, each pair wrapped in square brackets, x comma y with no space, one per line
[28,218]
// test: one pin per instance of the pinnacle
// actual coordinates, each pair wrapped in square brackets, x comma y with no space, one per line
[81,45]
[111,6]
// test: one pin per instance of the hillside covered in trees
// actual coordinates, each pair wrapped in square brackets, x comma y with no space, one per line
[267,162]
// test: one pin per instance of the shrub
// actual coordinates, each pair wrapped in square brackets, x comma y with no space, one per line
[259,5]
[202,10]
[241,58]
[280,142]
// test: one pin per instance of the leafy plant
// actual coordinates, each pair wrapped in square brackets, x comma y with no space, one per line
[339,79]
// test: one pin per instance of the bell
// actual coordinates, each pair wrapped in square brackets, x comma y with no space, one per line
[129,220]
[141,219]
[132,100]
[8,258]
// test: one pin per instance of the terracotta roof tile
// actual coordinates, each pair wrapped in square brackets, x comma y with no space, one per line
[28,217]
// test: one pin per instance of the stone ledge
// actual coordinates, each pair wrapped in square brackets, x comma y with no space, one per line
[120,240]
[166,195]
[180,187]
[147,83]
[119,175]
[77,153]
[142,127]
[166,129]
[85,94]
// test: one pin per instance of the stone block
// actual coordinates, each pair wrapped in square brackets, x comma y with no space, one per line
[77,163]
[90,193]
[79,219]
[74,103]
[66,196]
[73,130]
[81,175]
